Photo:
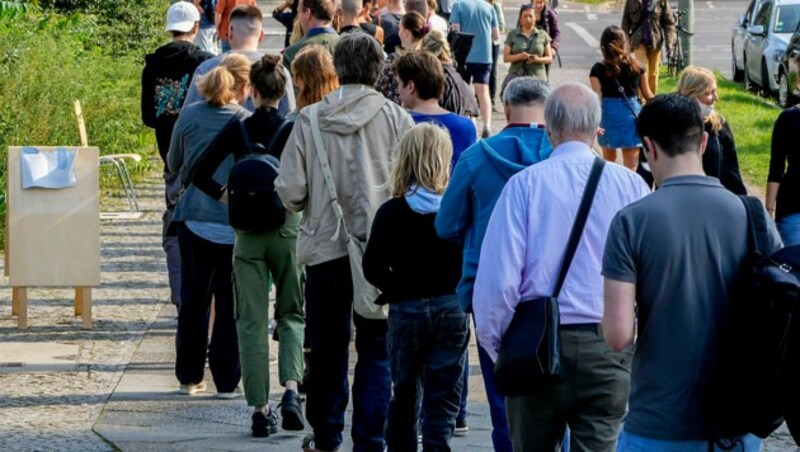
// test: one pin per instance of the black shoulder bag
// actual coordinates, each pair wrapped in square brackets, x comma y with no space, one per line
[529,358]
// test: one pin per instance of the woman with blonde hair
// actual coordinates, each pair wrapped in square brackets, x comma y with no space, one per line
[417,273]
[719,159]
[262,249]
[205,237]
[314,76]
[457,97]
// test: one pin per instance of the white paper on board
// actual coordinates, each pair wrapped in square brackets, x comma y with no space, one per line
[48,169]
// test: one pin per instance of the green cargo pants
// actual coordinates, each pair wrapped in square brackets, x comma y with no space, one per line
[255,257]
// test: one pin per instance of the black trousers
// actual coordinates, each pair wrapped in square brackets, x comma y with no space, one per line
[206,271]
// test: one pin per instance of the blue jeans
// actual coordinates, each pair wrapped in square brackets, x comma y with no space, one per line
[789,229]
[629,442]
[372,385]
[427,345]
[329,313]
[497,404]
[224,46]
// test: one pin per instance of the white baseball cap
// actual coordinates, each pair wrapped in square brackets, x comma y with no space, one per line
[182,16]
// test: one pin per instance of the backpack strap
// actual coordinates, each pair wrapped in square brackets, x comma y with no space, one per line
[248,145]
[756,225]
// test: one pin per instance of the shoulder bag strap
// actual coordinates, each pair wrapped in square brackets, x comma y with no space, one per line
[322,155]
[625,96]
[756,225]
[580,221]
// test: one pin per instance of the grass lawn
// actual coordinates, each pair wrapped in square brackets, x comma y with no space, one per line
[751,119]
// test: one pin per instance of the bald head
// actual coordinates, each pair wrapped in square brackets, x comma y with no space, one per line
[351,8]
[572,113]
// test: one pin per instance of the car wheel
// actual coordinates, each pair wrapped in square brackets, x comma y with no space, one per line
[783,90]
[746,82]
[738,74]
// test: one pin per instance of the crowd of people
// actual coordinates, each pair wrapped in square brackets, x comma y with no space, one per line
[398,222]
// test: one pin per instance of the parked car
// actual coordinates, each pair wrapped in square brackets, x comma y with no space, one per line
[788,79]
[765,42]
[738,37]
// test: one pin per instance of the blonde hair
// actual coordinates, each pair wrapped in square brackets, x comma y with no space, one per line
[436,43]
[220,85]
[696,81]
[423,158]
[313,69]
[297,33]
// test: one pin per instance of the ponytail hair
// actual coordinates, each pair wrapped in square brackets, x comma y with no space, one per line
[219,86]
[415,24]
[268,78]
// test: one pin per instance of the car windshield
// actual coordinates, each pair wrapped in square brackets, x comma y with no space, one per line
[787,18]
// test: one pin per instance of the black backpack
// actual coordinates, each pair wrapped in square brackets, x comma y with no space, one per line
[253,203]
[756,377]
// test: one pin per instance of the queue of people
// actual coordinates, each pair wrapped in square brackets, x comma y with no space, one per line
[373,152]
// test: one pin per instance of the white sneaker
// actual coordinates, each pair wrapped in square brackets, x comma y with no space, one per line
[192,389]
[235,394]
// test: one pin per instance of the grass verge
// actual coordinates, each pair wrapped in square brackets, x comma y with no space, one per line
[751,119]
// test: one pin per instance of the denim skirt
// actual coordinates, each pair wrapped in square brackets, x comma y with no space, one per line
[619,123]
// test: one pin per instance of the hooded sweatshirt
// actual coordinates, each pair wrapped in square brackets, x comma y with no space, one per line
[476,184]
[166,78]
[360,131]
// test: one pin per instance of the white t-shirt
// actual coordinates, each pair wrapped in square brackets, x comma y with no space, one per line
[438,23]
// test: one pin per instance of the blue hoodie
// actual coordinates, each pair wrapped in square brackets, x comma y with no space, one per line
[476,184]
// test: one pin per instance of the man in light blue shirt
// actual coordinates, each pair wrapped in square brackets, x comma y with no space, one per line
[520,260]
[478,17]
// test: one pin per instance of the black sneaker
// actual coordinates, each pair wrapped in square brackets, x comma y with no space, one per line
[264,424]
[292,411]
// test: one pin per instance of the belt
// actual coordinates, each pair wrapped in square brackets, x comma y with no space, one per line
[595,327]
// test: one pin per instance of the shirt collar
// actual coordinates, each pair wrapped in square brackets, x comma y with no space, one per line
[319,31]
[692,179]
[572,149]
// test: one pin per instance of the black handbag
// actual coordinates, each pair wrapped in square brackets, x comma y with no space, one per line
[529,358]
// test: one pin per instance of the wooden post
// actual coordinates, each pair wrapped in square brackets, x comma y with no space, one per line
[78,301]
[14,301]
[19,297]
[84,294]
[81,124]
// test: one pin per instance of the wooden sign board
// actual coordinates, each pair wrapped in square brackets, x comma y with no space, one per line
[54,234]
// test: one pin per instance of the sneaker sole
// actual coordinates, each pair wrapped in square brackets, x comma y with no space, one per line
[292,421]
[461,432]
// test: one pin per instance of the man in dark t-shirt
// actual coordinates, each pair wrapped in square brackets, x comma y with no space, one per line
[674,256]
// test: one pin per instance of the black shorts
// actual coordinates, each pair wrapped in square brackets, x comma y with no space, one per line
[478,73]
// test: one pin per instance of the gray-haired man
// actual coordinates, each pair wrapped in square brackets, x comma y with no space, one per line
[478,178]
[360,130]
[528,233]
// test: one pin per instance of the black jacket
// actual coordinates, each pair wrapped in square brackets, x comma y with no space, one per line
[720,159]
[166,78]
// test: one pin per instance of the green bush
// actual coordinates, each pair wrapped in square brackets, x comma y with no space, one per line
[48,60]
